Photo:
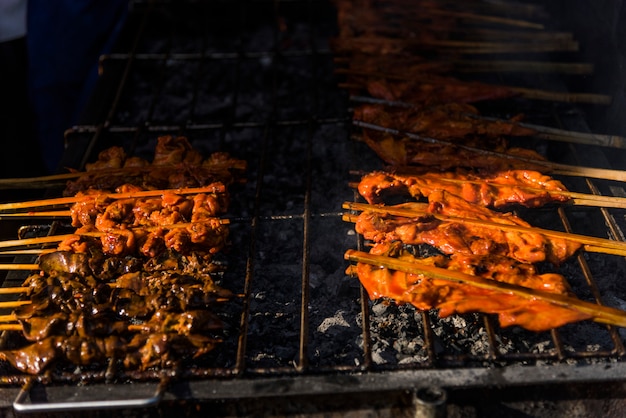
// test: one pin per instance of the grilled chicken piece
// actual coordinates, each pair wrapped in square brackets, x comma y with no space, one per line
[37,357]
[451,236]
[448,297]
[405,151]
[447,121]
[175,165]
[430,89]
[495,190]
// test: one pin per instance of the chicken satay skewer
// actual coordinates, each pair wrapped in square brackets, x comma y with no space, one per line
[58,238]
[591,244]
[11,327]
[596,312]
[46,181]
[128,195]
[536,94]
[14,303]
[540,131]
[574,198]
[564,169]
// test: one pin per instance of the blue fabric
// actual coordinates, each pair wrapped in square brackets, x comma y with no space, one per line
[65,39]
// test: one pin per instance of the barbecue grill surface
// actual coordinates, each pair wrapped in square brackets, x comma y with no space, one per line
[255,79]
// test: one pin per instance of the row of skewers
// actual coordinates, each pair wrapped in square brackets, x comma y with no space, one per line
[133,284]
[452,175]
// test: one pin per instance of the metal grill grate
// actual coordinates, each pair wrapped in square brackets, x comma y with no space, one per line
[255,78]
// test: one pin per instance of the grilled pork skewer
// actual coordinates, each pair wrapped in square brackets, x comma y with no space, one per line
[453,225]
[101,197]
[500,189]
[399,151]
[175,165]
[468,286]
[458,121]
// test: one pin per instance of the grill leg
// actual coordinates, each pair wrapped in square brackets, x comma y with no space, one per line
[430,402]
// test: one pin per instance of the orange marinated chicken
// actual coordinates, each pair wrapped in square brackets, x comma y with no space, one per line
[445,121]
[404,151]
[449,297]
[528,188]
[454,236]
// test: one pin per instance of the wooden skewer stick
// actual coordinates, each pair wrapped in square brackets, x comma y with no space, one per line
[40,214]
[13,266]
[576,199]
[11,327]
[34,241]
[13,290]
[128,195]
[14,303]
[598,313]
[564,169]
[21,182]
[419,209]
[32,251]
[8,318]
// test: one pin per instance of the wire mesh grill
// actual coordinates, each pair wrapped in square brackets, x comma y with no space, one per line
[255,78]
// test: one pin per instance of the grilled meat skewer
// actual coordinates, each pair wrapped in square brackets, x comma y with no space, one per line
[524,187]
[458,237]
[448,297]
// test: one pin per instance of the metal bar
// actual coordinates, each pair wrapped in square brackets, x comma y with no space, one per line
[107,404]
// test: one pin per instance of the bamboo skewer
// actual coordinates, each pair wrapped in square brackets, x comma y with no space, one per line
[14,303]
[129,195]
[597,312]
[18,266]
[31,251]
[41,214]
[592,244]
[564,169]
[12,290]
[11,327]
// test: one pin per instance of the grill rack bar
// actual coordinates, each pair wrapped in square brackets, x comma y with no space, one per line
[228,382]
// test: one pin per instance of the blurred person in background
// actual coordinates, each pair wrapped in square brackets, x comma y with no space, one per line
[19,152]
[64,41]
